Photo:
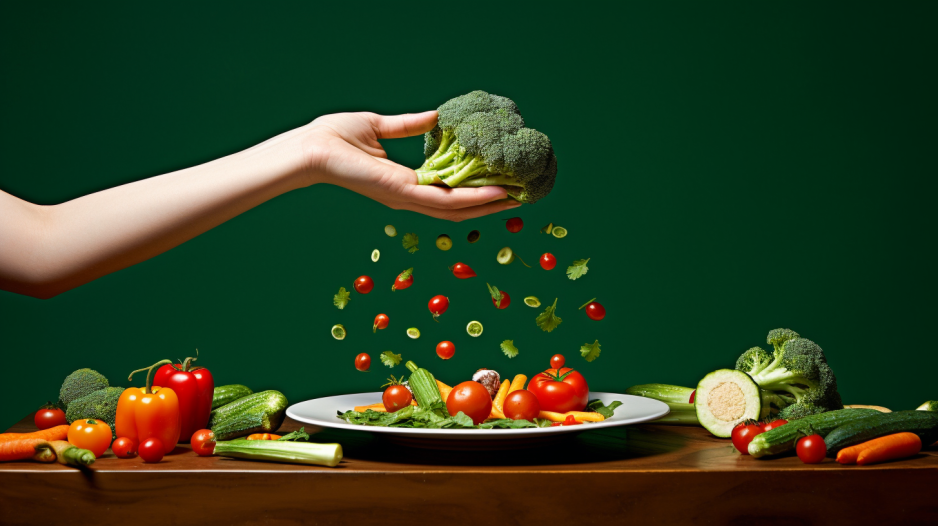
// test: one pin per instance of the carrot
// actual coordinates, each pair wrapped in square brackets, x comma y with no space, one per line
[53,433]
[263,436]
[518,383]
[69,455]
[22,449]
[500,396]
[890,447]
[45,453]
[848,455]
[444,390]
[579,416]
[374,407]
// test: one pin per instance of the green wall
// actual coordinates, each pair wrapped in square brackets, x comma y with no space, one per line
[729,169]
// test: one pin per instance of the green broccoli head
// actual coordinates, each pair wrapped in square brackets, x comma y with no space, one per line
[777,337]
[480,140]
[101,404]
[80,383]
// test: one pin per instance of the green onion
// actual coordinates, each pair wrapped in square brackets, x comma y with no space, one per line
[277,451]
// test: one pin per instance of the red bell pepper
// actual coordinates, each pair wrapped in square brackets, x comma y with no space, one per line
[151,412]
[194,386]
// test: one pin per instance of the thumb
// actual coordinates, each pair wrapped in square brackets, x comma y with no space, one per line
[406,125]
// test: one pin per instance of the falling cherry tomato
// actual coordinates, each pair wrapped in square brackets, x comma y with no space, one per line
[548,261]
[462,271]
[403,280]
[506,300]
[438,305]
[381,322]
[557,361]
[364,284]
[445,350]
[514,225]
[362,362]
[594,310]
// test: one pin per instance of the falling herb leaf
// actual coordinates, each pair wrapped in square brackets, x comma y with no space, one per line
[341,299]
[410,242]
[390,359]
[508,347]
[577,269]
[296,436]
[548,320]
[496,295]
[590,351]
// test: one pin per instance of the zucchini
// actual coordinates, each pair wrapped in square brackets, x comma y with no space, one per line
[279,451]
[257,413]
[423,384]
[666,393]
[931,405]
[225,394]
[725,398]
[784,437]
[922,423]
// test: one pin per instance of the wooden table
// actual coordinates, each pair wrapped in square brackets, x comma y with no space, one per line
[652,473]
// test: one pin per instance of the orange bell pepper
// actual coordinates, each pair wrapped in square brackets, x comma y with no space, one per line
[151,412]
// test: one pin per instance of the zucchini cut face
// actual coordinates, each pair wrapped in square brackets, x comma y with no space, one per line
[724,399]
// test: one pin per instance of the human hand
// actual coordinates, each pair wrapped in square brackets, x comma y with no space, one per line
[343,149]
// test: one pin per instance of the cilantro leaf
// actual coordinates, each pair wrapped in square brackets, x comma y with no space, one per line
[406,274]
[410,242]
[341,299]
[390,359]
[590,351]
[508,347]
[605,410]
[496,295]
[296,436]
[578,268]
[548,320]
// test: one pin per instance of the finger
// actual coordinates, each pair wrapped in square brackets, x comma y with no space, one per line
[452,198]
[462,214]
[407,125]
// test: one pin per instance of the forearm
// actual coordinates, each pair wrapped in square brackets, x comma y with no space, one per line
[48,250]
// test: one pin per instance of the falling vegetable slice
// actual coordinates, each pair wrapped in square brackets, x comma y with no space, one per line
[443,242]
[497,295]
[590,351]
[413,332]
[532,301]
[340,300]
[474,328]
[390,359]
[578,268]
[547,229]
[390,230]
[473,236]
[559,232]
[508,347]
[410,242]
[548,320]
[375,254]
[505,256]
[338,332]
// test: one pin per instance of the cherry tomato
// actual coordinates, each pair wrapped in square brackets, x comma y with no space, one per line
[768,426]
[396,397]
[595,311]
[743,434]
[462,271]
[362,362]
[521,405]
[557,361]
[203,442]
[124,447]
[403,280]
[514,225]
[560,390]
[445,350]
[570,421]
[693,396]
[93,435]
[472,398]
[506,301]
[364,284]
[381,322]
[438,305]
[49,416]
[811,449]
[548,261]
[151,450]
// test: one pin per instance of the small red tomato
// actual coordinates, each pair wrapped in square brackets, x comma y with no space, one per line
[396,397]
[521,405]
[362,362]
[48,416]
[124,447]
[570,421]
[811,449]
[504,303]
[472,398]
[203,442]
[151,450]
[403,280]
[743,434]
[514,225]
[445,350]
[364,284]
[548,261]
[594,310]
[462,271]
[768,426]
[557,361]
[438,305]
[381,322]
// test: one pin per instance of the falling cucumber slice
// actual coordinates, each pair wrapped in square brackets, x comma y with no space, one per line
[547,229]
[505,256]
[375,254]
[532,301]
[443,242]
[473,236]
[390,230]
[474,329]
[559,232]
[413,332]
[338,332]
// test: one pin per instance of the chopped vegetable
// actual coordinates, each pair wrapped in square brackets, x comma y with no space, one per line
[473,236]
[375,254]
[300,435]
[410,242]
[500,299]
[413,333]
[590,351]
[931,405]
[547,229]
[532,301]
[514,225]
[443,242]
[578,268]
[281,451]
[381,322]
[363,362]
[505,256]
[508,347]
[499,400]
[341,299]
[390,230]
[403,280]
[605,410]
[559,232]
[578,416]
[548,320]
[263,436]
[338,332]
[390,359]
[474,328]
[445,350]
[435,416]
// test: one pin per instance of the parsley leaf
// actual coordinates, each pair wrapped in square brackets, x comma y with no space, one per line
[390,359]
[296,436]
[341,299]
[548,320]
[508,347]
[410,242]
[496,295]
[590,351]
[605,410]
[578,268]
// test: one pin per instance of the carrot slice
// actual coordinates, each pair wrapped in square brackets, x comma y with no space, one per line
[518,383]
[444,390]
[890,447]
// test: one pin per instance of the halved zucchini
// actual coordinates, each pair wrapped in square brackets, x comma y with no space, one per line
[725,398]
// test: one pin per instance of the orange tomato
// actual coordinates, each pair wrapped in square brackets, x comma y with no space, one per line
[93,435]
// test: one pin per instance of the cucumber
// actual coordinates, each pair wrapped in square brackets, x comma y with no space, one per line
[663,392]
[931,405]
[225,394]
[725,398]
[784,437]
[277,451]
[922,423]
[423,384]
[257,413]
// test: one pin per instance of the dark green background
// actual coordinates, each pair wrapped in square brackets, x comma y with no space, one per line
[729,169]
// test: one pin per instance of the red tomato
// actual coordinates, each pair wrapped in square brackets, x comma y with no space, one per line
[124,447]
[521,405]
[93,435]
[570,421]
[364,284]
[151,450]
[445,350]
[472,398]
[560,390]
[403,280]
[381,322]
[203,442]
[548,261]
[557,361]
[506,301]
[438,305]
[811,449]
[49,416]
[514,225]
[396,397]
[768,426]
[743,434]
[595,311]
[462,271]
[362,362]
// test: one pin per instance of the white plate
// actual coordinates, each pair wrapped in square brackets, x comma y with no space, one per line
[322,412]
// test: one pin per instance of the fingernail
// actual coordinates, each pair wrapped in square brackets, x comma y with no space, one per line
[514,204]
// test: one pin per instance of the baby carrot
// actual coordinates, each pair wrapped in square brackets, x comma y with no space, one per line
[848,455]
[891,447]
[23,448]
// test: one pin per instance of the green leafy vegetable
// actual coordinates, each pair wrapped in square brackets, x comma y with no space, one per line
[390,359]
[508,347]
[341,299]
[548,320]
[496,295]
[434,416]
[577,269]
[296,436]
[590,351]
[605,410]
[410,242]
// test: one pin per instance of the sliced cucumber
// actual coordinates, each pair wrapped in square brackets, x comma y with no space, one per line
[390,230]
[505,256]
[413,332]
[532,301]
[375,254]
[338,332]
[725,398]
[474,328]
[473,236]
[559,232]
[444,243]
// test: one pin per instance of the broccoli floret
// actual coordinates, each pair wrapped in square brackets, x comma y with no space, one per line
[480,140]
[80,383]
[101,404]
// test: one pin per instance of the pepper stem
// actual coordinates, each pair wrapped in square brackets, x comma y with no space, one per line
[149,387]
[189,360]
